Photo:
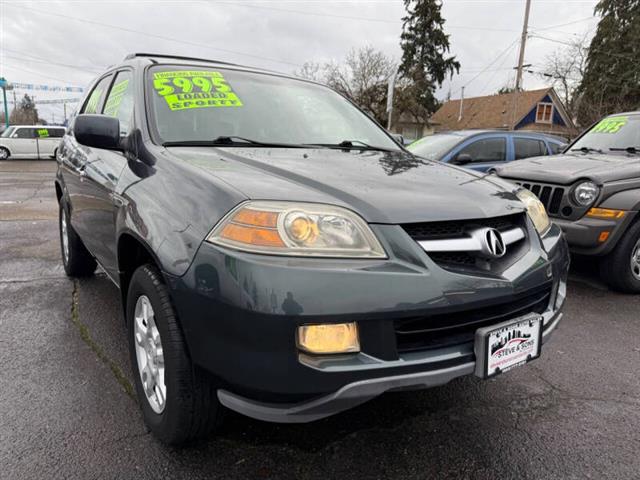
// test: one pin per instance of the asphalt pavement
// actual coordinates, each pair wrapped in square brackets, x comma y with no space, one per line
[67,408]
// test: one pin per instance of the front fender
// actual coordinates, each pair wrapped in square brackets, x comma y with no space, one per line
[625,200]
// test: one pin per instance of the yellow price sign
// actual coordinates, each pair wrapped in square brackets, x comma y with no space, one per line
[610,125]
[186,89]
[43,132]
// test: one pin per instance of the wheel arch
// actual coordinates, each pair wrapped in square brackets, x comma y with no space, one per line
[132,252]
[3,146]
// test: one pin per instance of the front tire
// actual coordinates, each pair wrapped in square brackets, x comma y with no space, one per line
[178,400]
[621,268]
[4,154]
[76,259]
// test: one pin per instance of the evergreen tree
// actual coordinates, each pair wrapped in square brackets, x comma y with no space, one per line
[425,63]
[611,82]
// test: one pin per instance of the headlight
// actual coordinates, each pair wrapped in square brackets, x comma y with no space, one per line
[586,193]
[536,210]
[298,229]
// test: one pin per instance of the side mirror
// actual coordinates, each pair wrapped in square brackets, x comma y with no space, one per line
[461,159]
[97,131]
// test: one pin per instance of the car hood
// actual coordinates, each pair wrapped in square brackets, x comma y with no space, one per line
[566,169]
[383,187]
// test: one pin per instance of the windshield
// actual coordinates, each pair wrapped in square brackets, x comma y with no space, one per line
[203,104]
[618,132]
[436,146]
[7,132]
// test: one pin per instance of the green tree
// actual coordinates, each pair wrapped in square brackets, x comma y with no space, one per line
[425,60]
[25,113]
[611,81]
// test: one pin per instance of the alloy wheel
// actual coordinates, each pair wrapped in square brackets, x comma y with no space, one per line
[149,354]
[635,260]
[65,236]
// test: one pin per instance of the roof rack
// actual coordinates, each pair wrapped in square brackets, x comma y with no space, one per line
[178,57]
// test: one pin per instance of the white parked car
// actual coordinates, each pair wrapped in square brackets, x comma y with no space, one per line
[30,141]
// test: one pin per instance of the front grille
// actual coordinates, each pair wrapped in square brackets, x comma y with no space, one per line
[469,262]
[551,196]
[449,328]
[455,229]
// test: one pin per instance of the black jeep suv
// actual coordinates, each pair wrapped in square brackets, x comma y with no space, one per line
[279,254]
[592,192]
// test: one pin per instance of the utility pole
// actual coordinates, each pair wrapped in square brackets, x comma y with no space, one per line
[4,85]
[461,102]
[390,93]
[523,41]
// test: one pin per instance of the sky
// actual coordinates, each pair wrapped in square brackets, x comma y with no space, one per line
[68,43]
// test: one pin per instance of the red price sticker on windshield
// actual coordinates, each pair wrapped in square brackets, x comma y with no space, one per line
[185,89]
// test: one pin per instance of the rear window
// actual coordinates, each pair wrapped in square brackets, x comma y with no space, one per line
[529,147]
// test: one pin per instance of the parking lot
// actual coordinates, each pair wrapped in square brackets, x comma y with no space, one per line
[67,409]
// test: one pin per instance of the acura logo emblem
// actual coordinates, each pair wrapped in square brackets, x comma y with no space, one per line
[494,243]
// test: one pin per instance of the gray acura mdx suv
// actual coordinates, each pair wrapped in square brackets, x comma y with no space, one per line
[280,255]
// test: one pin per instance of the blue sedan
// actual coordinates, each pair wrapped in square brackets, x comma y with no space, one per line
[484,150]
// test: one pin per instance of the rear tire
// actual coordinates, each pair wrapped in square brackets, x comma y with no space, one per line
[621,268]
[76,259]
[4,154]
[178,400]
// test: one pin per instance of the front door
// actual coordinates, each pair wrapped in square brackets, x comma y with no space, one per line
[75,160]
[102,175]
[485,152]
[23,143]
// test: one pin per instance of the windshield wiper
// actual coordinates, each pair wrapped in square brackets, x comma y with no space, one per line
[626,149]
[350,145]
[586,150]
[228,141]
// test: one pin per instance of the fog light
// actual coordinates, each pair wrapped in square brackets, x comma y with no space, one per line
[329,338]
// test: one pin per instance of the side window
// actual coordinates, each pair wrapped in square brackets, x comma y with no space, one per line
[119,103]
[97,95]
[56,132]
[25,133]
[529,147]
[486,150]
[556,147]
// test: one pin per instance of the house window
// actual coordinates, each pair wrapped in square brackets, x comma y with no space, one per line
[544,114]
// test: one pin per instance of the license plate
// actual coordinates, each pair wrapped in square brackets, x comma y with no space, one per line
[501,347]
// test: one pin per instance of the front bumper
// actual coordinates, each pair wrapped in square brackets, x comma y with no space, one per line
[240,312]
[583,235]
[359,392]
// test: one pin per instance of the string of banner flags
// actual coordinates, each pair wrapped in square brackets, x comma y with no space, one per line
[47,88]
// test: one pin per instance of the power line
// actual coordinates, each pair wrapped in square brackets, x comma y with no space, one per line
[613,54]
[551,27]
[153,35]
[504,59]
[353,18]
[485,69]
[39,74]
[34,59]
